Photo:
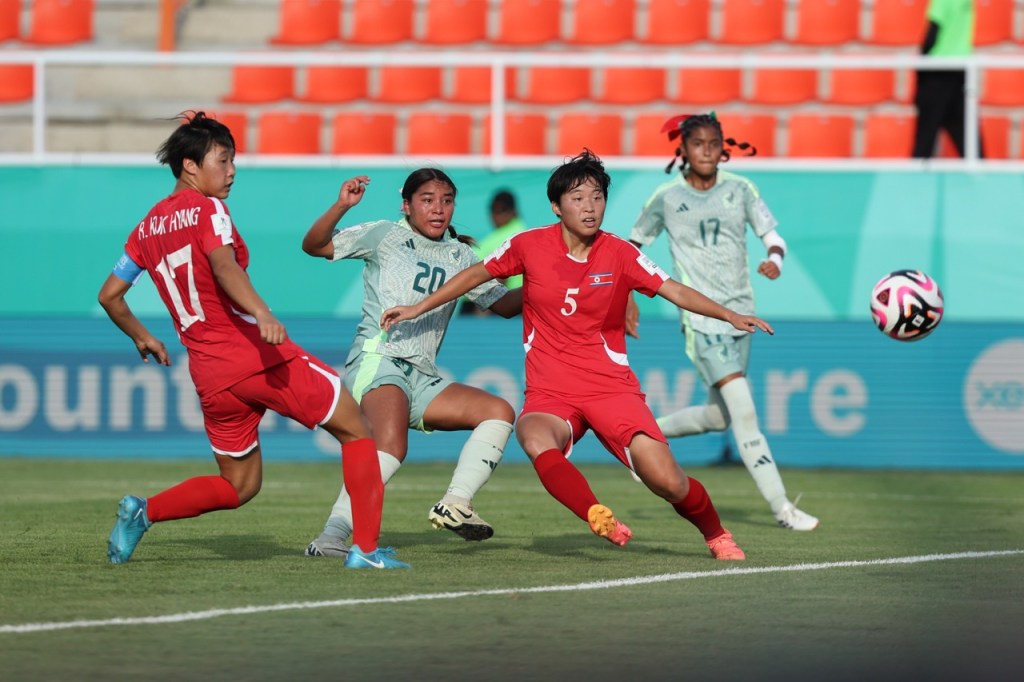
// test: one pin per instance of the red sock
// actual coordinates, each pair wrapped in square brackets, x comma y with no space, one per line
[361,469]
[698,509]
[191,498]
[565,482]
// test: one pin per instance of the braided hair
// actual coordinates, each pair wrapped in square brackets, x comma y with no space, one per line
[682,126]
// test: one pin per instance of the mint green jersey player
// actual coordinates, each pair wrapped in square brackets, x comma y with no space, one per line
[708,240]
[416,267]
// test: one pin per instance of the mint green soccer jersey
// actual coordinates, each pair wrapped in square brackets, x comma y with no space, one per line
[402,268]
[707,233]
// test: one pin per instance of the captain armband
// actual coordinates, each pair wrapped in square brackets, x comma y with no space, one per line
[127,270]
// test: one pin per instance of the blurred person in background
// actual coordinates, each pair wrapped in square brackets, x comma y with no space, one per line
[507,222]
[939,97]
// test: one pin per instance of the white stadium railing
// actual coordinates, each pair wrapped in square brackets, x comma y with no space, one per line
[498,61]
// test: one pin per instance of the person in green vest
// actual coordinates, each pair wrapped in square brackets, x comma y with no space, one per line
[940,94]
[507,222]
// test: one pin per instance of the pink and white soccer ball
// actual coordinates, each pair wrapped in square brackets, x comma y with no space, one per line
[906,305]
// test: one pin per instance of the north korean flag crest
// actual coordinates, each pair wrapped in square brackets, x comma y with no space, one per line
[599,279]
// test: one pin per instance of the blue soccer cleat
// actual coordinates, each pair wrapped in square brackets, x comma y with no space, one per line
[382,557]
[129,528]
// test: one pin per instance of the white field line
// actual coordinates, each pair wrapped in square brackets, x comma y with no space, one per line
[578,587]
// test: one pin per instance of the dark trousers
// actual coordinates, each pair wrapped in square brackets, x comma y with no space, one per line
[940,106]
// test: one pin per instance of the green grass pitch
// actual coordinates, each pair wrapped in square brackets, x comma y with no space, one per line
[912,576]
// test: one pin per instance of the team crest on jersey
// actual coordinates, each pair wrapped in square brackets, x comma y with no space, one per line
[600,279]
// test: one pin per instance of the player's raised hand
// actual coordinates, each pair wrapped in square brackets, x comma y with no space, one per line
[769,269]
[393,316]
[749,323]
[352,191]
[150,345]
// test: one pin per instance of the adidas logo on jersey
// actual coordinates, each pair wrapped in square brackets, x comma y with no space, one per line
[683,208]
[410,244]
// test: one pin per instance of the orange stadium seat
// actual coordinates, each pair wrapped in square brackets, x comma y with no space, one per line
[866,86]
[529,22]
[632,85]
[820,136]
[10,19]
[254,84]
[993,21]
[61,22]
[472,84]
[238,122]
[648,140]
[602,22]
[888,136]
[827,22]
[402,84]
[328,84]
[288,132]
[525,134]
[757,130]
[16,83]
[438,133]
[784,86]
[455,22]
[308,22]
[556,85]
[750,22]
[1002,87]
[600,133]
[677,22]
[995,139]
[707,86]
[381,22]
[897,22]
[359,133]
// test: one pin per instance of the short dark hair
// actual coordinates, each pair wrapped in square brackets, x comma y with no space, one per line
[576,171]
[503,200]
[193,139]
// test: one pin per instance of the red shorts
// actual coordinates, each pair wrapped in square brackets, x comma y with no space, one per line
[303,388]
[614,419]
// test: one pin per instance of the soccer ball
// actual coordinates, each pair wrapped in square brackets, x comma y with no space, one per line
[906,305]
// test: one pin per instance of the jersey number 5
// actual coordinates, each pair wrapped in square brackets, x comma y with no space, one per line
[167,267]
[570,302]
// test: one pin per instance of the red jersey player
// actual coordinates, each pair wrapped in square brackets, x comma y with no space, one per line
[240,357]
[576,280]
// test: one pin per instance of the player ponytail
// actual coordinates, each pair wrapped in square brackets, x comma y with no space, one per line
[193,139]
[681,127]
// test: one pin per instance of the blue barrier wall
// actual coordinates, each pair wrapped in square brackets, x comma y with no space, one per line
[829,394]
[831,390]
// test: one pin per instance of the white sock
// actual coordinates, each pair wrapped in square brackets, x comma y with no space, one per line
[696,419]
[754,451]
[479,458]
[339,524]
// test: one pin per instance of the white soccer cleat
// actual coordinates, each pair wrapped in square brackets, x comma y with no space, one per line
[328,546]
[461,520]
[792,518]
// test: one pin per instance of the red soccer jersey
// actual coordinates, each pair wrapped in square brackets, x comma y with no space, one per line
[173,244]
[574,311]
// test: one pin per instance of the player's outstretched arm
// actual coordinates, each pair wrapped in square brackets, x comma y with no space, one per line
[690,299]
[233,280]
[509,305]
[111,297]
[317,241]
[468,279]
